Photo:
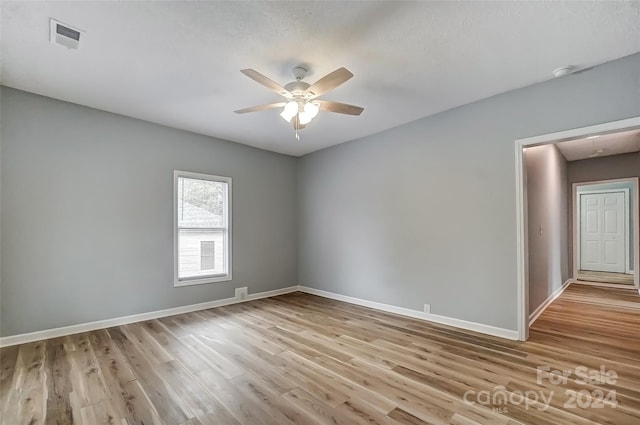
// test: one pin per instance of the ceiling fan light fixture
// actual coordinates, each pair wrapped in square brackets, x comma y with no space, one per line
[290,110]
[311,109]
[304,118]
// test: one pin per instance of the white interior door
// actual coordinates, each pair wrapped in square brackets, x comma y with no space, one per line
[602,232]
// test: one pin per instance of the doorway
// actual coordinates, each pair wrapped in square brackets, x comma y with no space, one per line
[576,135]
[601,231]
[604,223]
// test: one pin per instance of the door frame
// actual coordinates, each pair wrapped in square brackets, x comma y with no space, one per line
[577,219]
[522,237]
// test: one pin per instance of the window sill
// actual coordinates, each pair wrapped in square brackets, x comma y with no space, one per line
[201,281]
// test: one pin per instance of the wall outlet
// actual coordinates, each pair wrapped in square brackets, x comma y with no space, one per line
[427,308]
[241,293]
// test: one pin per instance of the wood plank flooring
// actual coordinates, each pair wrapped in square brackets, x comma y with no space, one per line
[302,359]
[605,277]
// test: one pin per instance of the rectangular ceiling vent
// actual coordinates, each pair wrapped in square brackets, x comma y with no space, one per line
[64,35]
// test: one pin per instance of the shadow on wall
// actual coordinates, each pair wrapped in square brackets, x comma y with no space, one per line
[547,216]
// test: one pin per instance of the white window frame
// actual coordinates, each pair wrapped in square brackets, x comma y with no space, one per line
[199,280]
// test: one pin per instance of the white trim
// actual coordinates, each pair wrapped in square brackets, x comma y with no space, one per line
[199,280]
[577,221]
[522,246]
[627,233]
[542,307]
[118,321]
[416,314]
[581,133]
[522,260]
[635,182]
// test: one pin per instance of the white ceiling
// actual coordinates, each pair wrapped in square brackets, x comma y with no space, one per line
[178,63]
[607,144]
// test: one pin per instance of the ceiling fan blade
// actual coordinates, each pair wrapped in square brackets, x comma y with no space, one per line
[329,82]
[341,108]
[261,107]
[265,81]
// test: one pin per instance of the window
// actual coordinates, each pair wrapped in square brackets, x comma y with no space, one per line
[202,226]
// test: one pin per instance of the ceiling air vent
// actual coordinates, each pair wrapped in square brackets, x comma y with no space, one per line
[64,35]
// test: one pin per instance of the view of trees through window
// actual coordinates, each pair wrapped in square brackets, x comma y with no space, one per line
[208,199]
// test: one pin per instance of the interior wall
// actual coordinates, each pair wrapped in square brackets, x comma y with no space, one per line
[546,177]
[87,214]
[604,168]
[425,212]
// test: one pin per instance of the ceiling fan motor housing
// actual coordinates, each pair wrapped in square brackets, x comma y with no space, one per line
[299,72]
[297,88]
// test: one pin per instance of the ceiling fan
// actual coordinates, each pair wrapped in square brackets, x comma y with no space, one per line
[301,103]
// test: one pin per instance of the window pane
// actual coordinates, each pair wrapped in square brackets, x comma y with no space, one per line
[207,255]
[201,252]
[201,203]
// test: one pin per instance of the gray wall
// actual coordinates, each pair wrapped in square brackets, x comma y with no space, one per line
[425,212]
[87,214]
[546,174]
[605,168]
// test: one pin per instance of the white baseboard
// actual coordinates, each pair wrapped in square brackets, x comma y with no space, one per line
[538,311]
[118,321]
[107,323]
[458,323]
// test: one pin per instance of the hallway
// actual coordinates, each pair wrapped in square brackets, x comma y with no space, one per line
[595,327]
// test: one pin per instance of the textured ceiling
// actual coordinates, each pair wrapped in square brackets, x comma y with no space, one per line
[605,145]
[178,63]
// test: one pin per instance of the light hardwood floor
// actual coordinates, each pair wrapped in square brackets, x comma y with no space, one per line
[302,359]
[605,277]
